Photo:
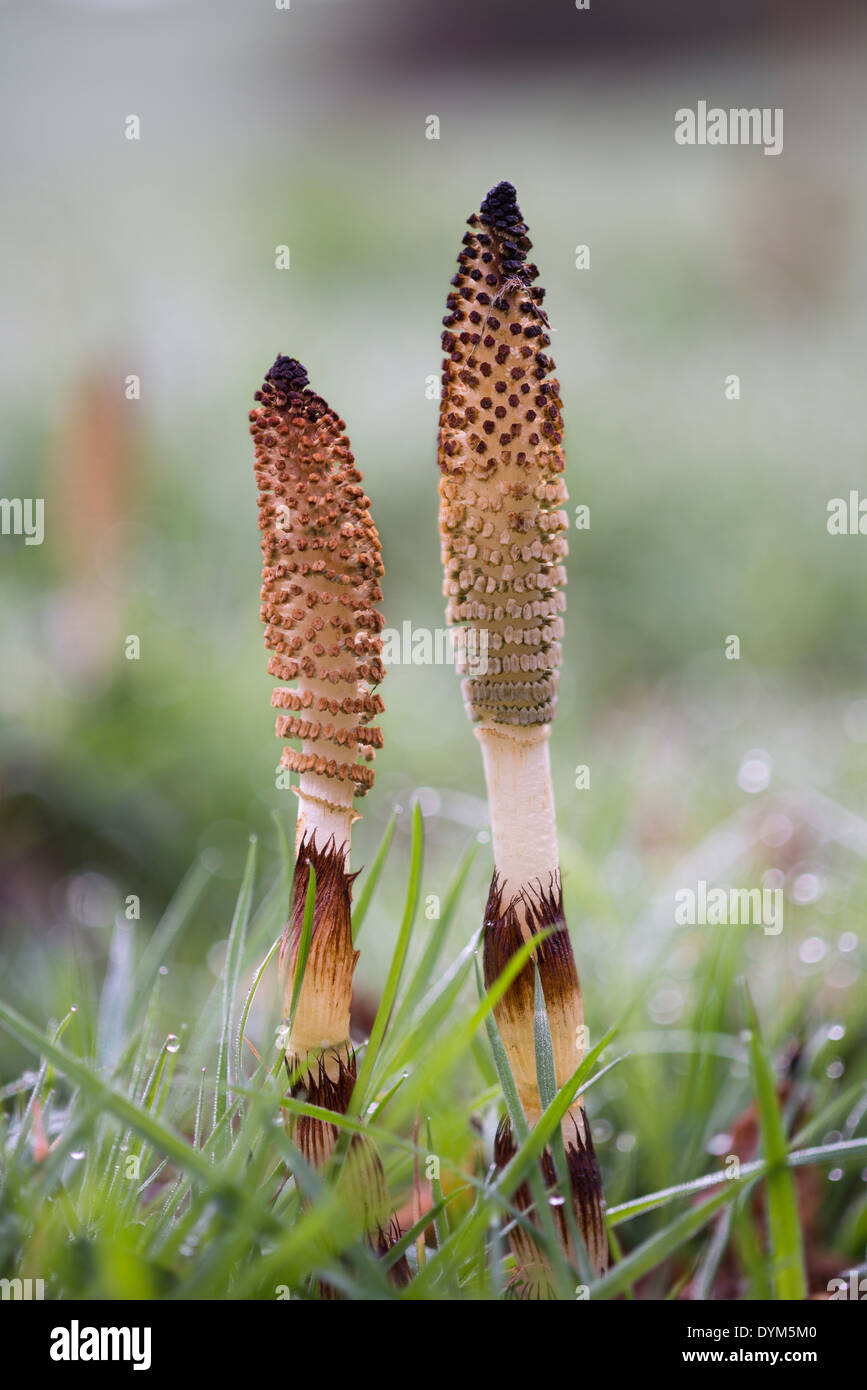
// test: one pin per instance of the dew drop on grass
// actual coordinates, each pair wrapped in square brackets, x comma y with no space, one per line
[76,1155]
[429,800]
[836,1032]
[719,1144]
[556,1201]
[834,1070]
[172,1043]
[835,1175]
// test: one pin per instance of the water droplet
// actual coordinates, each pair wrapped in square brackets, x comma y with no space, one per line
[719,1144]
[813,950]
[776,829]
[806,888]
[429,800]
[666,1005]
[754,773]
[164,970]
[773,879]
[172,1043]
[836,1032]
[848,941]
[76,1155]
[556,1201]
[855,721]
[835,1175]
[835,1070]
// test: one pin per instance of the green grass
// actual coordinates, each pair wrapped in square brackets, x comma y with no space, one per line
[146,1162]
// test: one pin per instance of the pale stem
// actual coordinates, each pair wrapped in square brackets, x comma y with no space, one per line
[521,800]
[324,809]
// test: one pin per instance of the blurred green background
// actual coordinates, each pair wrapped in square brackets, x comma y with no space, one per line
[156,257]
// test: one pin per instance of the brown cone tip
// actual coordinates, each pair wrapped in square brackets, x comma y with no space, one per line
[501,457]
[320,579]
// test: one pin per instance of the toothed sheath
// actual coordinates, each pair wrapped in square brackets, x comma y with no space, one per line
[503,547]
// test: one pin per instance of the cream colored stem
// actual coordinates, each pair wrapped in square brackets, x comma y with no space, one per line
[324,809]
[521,800]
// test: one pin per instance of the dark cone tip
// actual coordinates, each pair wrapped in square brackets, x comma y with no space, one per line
[288,374]
[500,207]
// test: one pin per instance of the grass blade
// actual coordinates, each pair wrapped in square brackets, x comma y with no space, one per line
[398,959]
[784,1226]
[371,879]
[658,1247]
[303,945]
[132,1115]
[234,949]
